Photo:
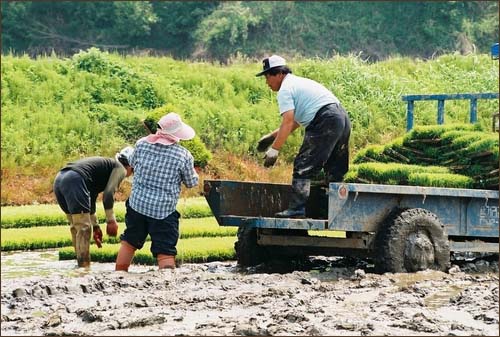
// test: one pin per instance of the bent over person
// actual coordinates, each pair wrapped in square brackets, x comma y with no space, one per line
[304,102]
[160,166]
[77,186]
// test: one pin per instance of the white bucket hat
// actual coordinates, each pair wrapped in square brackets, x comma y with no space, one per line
[171,129]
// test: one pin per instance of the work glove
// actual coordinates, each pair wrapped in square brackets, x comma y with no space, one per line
[97,236]
[265,142]
[111,224]
[270,157]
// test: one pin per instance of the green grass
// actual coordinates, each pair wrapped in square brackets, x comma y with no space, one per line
[440,180]
[192,250]
[59,236]
[52,215]
[466,155]
[79,112]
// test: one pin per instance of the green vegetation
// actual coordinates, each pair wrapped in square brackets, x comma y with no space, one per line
[440,156]
[220,30]
[195,250]
[78,110]
[59,236]
[52,215]
[402,174]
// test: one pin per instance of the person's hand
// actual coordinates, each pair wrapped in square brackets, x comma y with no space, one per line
[265,142]
[111,225]
[111,228]
[97,236]
[270,157]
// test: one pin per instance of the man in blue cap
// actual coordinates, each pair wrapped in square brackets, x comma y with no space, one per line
[304,102]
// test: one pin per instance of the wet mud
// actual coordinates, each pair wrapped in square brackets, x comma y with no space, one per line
[323,296]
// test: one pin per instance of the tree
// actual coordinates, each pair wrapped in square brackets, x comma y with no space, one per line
[224,32]
[70,26]
[176,25]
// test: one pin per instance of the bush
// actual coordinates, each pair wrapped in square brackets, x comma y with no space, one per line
[116,82]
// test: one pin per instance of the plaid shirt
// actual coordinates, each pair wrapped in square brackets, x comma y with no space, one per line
[159,171]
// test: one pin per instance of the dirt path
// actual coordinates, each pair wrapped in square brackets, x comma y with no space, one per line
[221,299]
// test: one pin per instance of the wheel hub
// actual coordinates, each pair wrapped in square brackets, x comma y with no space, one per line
[419,252]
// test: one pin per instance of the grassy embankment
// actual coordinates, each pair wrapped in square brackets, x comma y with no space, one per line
[56,110]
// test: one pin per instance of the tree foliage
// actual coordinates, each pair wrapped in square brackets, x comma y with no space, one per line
[219,30]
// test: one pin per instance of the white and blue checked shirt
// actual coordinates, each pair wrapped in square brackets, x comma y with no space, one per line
[159,171]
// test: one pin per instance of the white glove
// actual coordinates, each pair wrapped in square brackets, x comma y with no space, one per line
[270,157]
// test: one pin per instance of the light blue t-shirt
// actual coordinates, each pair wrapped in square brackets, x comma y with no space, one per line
[305,96]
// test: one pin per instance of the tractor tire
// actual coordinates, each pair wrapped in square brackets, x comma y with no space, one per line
[411,240]
[248,252]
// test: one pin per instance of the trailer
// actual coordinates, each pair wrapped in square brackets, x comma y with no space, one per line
[402,228]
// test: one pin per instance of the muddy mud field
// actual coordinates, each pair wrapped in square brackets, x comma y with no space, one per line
[323,296]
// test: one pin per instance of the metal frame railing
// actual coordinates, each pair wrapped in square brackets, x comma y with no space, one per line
[441,98]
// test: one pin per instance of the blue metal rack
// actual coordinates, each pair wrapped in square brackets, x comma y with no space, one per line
[441,98]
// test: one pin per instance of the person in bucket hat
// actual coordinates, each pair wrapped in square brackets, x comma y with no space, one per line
[76,188]
[170,130]
[160,166]
[307,103]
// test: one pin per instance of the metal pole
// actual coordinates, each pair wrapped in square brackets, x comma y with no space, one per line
[473,110]
[440,117]
[409,116]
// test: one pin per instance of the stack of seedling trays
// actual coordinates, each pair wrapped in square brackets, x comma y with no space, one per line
[456,156]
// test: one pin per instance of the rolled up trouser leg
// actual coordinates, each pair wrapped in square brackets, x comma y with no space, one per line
[166,261]
[125,256]
[72,229]
[83,226]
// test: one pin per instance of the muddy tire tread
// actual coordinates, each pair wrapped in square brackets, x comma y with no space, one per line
[396,228]
[248,253]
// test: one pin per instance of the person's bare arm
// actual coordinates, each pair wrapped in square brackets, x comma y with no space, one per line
[288,125]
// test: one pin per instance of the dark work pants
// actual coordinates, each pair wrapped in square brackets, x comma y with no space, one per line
[164,233]
[72,194]
[325,145]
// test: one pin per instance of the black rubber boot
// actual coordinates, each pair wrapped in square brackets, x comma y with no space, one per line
[298,199]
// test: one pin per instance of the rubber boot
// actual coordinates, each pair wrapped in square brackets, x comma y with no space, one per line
[83,226]
[125,256]
[72,229]
[297,205]
[166,261]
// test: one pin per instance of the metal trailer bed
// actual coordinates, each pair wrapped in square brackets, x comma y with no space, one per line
[403,228]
